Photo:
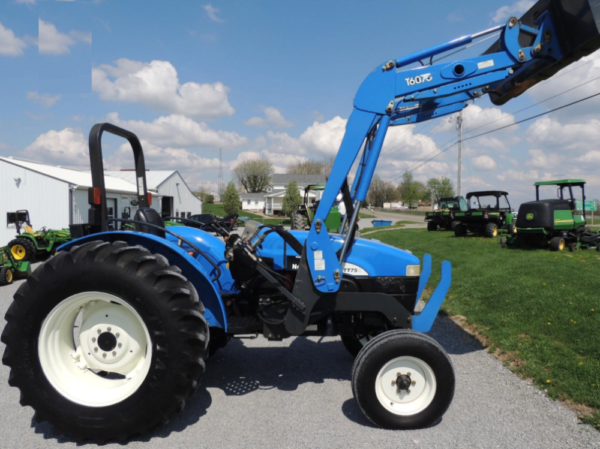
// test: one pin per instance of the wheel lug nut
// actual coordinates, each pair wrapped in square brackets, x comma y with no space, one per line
[413,383]
[99,331]
[94,340]
[95,349]
[109,329]
[119,345]
[117,335]
[104,355]
[114,353]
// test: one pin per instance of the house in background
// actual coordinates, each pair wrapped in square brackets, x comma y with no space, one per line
[271,200]
[253,202]
[279,182]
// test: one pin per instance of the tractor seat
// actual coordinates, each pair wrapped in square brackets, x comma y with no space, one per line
[149,215]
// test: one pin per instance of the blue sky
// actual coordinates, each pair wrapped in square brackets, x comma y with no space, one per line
[270,78]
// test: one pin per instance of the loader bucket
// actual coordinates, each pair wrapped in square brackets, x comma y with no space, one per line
[577,26]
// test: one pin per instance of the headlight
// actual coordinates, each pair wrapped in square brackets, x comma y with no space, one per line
[413,270]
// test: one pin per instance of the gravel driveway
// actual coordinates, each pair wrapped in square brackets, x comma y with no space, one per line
[297,393]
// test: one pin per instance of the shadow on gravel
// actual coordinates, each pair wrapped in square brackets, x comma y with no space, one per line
[239,370]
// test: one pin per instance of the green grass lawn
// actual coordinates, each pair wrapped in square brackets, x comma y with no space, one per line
[538,310]
[398,224]
[218,210]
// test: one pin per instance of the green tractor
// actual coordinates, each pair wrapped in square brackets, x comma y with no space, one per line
[558,222]
[30,245]
[303,217]
[489,212]
[11,269]
[444,216]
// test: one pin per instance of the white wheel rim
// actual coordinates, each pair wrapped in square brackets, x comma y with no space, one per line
[71,367]
[418,396]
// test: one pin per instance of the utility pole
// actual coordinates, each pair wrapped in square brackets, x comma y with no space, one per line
[459,122]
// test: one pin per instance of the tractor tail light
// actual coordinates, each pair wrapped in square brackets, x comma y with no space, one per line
[97,196]
[149,199]
[485,215]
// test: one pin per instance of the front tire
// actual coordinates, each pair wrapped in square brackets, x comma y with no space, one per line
[403,380]
[22,249]
[491,230]
[557,244]
[135,356]
[298,221]
[6,276]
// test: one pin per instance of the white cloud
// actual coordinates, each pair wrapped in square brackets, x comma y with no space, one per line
[67,147]
[273,117]
[44,99]
[484,162]
[53,42]
[454,17]
[83,36]
[10,45]
[591,157]
[158,158]
[26,2]
[180,131]
[578,137]
[324,138]
[539,159]
[211,12]
[477,120]
[516,9]
[157,86]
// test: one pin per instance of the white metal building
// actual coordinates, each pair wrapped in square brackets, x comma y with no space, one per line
[56,197]
[177,198]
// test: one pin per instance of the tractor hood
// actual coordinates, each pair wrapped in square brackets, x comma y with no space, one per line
[388,260]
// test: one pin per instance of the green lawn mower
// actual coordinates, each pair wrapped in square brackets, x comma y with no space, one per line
[30,245]
[303,217]
[489,213]
[11,269]
[557,223]
[444,217]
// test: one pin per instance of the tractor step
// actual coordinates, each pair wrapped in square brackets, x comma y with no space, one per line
[243,325]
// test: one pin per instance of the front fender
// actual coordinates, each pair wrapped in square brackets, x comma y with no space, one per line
[192,269]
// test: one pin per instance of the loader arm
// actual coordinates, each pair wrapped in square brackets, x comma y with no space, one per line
[550,36]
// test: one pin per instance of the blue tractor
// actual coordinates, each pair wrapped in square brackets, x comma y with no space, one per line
[110,337]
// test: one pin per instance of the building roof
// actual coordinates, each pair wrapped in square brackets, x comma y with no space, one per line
[252,196]
[75,177]
[154,178]
[302,180]
[560,182]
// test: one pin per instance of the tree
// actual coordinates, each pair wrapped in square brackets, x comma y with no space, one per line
[310,167]
[231,199]
[410,191]
[381,192]
[204,194]
[254,174]
[292,199]
[439,188]
[306,167]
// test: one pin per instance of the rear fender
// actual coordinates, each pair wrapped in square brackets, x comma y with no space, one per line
[215,311]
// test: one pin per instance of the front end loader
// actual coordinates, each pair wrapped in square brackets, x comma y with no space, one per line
[109,338]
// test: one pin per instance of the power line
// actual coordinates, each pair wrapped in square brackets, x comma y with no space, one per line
[499,129]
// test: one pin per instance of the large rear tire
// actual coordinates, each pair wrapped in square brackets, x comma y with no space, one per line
[403,380]
[6,276]
[106,341]
[298,221]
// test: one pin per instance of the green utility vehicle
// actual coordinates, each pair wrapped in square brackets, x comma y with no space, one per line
[11,269]
[557,222]
[443,218]
[489,211]
[303,217]
[30,245]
